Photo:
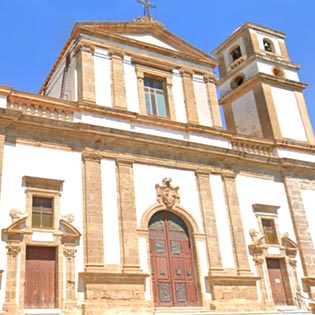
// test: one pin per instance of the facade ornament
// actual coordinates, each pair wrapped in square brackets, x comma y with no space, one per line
[69,251]
[167,194]
[147,7]
[13,248]
[258,259]
[68,217]
[16,215]
[256,237]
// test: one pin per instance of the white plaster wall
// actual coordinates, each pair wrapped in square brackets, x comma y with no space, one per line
[131,86]
[122,124]
[266,67]
[274,40]
[204,267]
[21,160]
[246,116]
[178,97]
[71,91]
[144,265]
[297,155]
[110,213]
[288,114]
[202,103]
[147,38]
[252,190]
[54,85]
[3,101]
[249,71]
[223,226]
[145,179]
[308,197]
[102,77]
[206,139]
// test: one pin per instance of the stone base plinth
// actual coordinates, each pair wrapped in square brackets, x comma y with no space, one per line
[115,293]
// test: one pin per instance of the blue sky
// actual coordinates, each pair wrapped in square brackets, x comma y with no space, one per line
[33,32]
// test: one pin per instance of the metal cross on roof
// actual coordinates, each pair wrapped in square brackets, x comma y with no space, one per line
[147,6]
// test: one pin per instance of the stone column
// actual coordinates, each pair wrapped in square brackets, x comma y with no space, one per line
[10,306]
[213,102]
[93,218]
[209,221]
[69,252]
[86,76]
[118,80]
[189,94]
[301,229]
[236,225]
[127,217]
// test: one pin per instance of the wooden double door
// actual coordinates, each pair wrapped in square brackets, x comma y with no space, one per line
[171,256]
[40,278]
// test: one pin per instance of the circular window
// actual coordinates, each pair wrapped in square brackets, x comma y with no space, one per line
[237,81]
[278,72]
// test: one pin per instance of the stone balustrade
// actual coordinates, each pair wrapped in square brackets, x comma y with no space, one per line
[253,148]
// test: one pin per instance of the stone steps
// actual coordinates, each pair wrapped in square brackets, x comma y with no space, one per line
[42,312]
[203,311]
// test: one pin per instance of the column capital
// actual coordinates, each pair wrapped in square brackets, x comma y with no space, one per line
[83,46]
[124,162]
[116,53]
[69,250]
[14,248]
[91,156]
[228,175]
[186,72]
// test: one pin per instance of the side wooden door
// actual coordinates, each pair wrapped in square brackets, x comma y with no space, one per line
[276,282]
[40,277]
[171,256]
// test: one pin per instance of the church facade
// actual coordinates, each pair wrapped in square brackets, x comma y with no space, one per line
[122,192]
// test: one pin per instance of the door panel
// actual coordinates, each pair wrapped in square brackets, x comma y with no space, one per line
[40,277]
[173,278]
[276,282]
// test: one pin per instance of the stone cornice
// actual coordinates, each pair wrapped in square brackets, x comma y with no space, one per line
[262,77]
[111,142]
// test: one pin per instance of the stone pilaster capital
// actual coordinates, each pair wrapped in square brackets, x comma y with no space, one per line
[124,162]
[185,72]
[83,46]
[91,156]
[259,260]
[208,78]
[14,248]
[69,251]
[228,176]
[203,173]
[116,54]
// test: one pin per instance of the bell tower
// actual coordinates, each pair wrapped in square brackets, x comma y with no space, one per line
[260,89]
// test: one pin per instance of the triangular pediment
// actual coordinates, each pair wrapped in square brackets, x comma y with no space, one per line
[150,39]
[144,33]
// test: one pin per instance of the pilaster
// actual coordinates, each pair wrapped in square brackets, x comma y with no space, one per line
[236,225]
[86,76]
[301,228]
[213,102]
[10,306]
[209,221]
[69,251]
[118,80]
[127,217]
[93,218]
[189,94]
[141,96]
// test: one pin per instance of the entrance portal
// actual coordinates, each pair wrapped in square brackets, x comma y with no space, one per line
[171,261]
[40,277]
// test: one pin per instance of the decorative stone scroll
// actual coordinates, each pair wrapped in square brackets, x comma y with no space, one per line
[167,194]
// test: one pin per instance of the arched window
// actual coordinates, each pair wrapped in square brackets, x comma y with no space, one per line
[236,53]
[268,45]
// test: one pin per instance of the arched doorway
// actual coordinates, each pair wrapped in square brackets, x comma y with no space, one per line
[171,256]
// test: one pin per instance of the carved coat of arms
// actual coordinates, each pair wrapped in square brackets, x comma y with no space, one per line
[167,194]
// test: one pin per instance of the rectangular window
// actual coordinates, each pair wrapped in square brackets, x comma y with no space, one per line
[42,212]
[155,97]
[269,231]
